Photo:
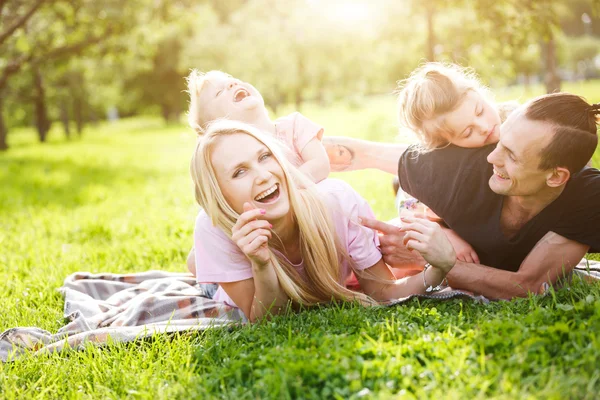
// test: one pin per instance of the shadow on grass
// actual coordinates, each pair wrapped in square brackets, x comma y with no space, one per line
[35,182]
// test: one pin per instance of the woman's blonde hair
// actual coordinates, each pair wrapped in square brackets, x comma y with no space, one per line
[320,247]
[432,90]
[195,83]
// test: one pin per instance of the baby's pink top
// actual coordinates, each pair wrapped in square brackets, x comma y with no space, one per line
[219,259]
[295,131]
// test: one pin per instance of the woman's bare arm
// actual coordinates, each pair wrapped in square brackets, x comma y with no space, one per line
[259,296]
[379,282]
[191,261]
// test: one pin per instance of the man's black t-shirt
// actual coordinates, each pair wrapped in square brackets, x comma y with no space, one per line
[453,182]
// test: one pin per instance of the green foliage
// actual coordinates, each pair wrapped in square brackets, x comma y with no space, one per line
[537,347]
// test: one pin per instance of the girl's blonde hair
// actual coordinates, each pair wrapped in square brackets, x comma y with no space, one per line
[195,83]
[320,247]
[432,90]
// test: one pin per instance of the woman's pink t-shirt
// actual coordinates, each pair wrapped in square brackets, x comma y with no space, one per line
[219,259]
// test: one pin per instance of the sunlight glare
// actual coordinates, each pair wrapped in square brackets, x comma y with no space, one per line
[347,13]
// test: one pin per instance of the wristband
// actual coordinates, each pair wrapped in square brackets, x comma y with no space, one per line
[429,288]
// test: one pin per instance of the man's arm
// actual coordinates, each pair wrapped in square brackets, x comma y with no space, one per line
[348,154]
[551,258]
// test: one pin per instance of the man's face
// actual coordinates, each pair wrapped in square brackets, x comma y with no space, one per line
[516,157]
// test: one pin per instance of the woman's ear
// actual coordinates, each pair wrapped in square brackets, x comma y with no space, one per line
[559,177]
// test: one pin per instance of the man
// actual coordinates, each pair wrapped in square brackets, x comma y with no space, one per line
[528,206]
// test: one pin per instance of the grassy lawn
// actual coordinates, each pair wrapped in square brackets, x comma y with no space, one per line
[120,200]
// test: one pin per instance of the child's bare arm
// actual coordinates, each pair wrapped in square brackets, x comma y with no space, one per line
[316,162]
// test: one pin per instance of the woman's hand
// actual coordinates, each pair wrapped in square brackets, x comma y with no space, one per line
[427,238]
[252,235]
[464,251]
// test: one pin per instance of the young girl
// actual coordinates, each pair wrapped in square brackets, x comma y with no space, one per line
[446,104]
[269,237]
[216,95]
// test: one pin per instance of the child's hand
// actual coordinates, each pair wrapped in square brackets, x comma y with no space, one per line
[252,235]
[464,251]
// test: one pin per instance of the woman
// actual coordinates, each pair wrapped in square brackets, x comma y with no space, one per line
[269,237]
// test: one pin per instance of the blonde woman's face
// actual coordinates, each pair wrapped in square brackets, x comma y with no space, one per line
[247,172]
[223,96]
[475,123]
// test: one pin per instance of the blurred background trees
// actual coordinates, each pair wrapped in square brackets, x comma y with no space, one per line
[72,62]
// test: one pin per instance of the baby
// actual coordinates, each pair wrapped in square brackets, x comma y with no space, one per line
[216,95]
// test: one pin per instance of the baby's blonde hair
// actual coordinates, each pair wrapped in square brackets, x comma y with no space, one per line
[195,83]
[431,90]
[320,247]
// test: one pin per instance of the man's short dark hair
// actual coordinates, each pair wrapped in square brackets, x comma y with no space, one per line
[574,123]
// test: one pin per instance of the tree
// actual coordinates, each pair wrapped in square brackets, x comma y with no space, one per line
[36,32]
[43,33]
[520,23]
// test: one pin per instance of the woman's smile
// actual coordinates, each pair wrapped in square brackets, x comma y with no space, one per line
[268,196]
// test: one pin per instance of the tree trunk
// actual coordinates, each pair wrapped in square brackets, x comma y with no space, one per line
[64,117]
[166,112]
[41,112]
[78,114]
[430,34]
[551,78]
[3,130]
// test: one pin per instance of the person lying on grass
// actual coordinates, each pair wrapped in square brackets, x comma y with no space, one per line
[270,237]
[529,206]
[444,105]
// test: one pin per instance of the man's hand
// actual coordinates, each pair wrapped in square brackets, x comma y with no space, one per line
[428,238]
[392,247]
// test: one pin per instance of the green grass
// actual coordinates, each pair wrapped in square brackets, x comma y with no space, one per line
[120,200]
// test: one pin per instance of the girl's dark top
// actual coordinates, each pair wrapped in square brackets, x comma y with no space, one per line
[453,182]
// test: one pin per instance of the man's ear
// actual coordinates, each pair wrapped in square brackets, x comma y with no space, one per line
[558,177]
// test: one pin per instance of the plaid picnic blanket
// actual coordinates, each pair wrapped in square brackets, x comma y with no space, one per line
[104,308]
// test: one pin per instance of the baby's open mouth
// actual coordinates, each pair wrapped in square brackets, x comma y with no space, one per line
[268,195]
[240,95]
